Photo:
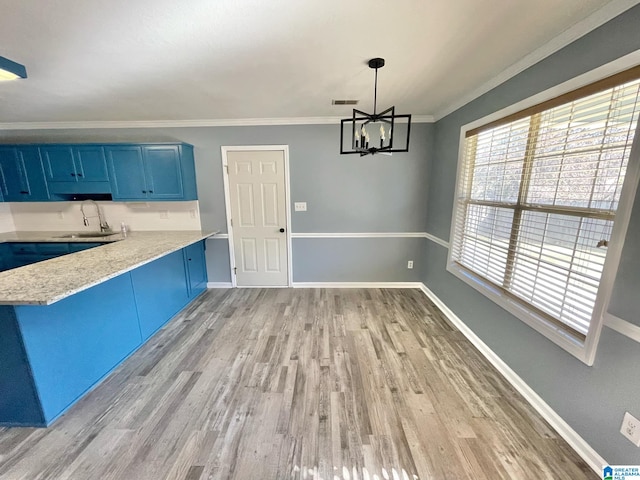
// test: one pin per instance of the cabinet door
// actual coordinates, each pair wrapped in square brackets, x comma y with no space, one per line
[30,164]
[196,268]
[12,182]
[6,257]
[126,169]
[58,163]
[160,290]
[21,175]
[91,164]
[73,343]
[164,177]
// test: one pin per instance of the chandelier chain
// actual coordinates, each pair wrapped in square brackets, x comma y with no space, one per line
[375,92]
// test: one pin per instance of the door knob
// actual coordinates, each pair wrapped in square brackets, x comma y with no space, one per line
[282,230]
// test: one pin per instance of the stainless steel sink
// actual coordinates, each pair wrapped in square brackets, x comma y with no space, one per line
[87,235]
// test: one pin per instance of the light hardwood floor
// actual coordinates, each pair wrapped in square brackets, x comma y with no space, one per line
[280,383]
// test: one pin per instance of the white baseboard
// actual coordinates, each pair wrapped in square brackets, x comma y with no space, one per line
[357,284]
[622,326]
[219,285]
[582,448]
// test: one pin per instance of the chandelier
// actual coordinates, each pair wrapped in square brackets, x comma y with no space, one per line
[383,132]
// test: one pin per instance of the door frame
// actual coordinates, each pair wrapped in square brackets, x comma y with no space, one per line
[227,203]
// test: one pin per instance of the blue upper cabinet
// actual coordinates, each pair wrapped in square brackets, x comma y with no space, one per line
[127,173]
[59,165]
[152,172]
[21,175]
[91,164]
[163,172]
[68,163]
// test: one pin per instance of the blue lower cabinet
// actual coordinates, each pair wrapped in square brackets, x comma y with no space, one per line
[14,255]
[6,257]
[19,403]
[196,268]
[51,355]
[79,246]
[73,343]
[161,291]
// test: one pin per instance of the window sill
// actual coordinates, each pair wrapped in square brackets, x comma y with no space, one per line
[573,345]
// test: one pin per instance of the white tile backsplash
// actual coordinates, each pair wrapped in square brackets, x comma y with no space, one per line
[140,216]
[6,219]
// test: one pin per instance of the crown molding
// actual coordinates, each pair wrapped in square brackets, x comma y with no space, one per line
[593,21]
[229,122]
[596,19]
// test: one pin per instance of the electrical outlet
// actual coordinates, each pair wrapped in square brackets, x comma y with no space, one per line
[631,428]
[164,213]
[300,206]
[192,213]
[410,264]
[60,214]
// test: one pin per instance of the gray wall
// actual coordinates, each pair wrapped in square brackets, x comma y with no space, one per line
[624,301]
[344,193]
[591,399]
[352,259]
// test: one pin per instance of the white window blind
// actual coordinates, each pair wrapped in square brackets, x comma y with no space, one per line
[537,195]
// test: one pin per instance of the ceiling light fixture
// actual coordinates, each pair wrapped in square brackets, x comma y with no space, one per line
[382,126]
[10,70]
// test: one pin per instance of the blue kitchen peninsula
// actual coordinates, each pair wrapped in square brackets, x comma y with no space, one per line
[65,323]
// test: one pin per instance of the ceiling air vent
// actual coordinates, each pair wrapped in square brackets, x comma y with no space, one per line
[344,102]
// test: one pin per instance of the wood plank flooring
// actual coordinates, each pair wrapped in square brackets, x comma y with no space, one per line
[317,384]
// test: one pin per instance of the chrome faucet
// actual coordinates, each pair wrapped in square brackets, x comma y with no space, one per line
[104,226]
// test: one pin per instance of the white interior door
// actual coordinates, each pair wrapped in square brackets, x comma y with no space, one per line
[258,217]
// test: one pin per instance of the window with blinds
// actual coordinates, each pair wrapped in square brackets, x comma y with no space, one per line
[537,198]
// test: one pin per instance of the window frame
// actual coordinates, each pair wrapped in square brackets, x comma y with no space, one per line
[583,349]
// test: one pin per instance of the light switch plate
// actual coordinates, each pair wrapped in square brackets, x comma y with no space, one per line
[300,206]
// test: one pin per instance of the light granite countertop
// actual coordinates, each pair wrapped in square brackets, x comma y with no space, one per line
[49,281]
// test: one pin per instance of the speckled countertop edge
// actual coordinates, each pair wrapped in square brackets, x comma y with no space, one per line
[50,281]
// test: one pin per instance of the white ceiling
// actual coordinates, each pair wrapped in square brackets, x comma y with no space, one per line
[147,60]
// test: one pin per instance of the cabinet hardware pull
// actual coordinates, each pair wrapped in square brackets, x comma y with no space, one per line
[73,174]
[150,191]
[144,191]
[23,192]
[79,174]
